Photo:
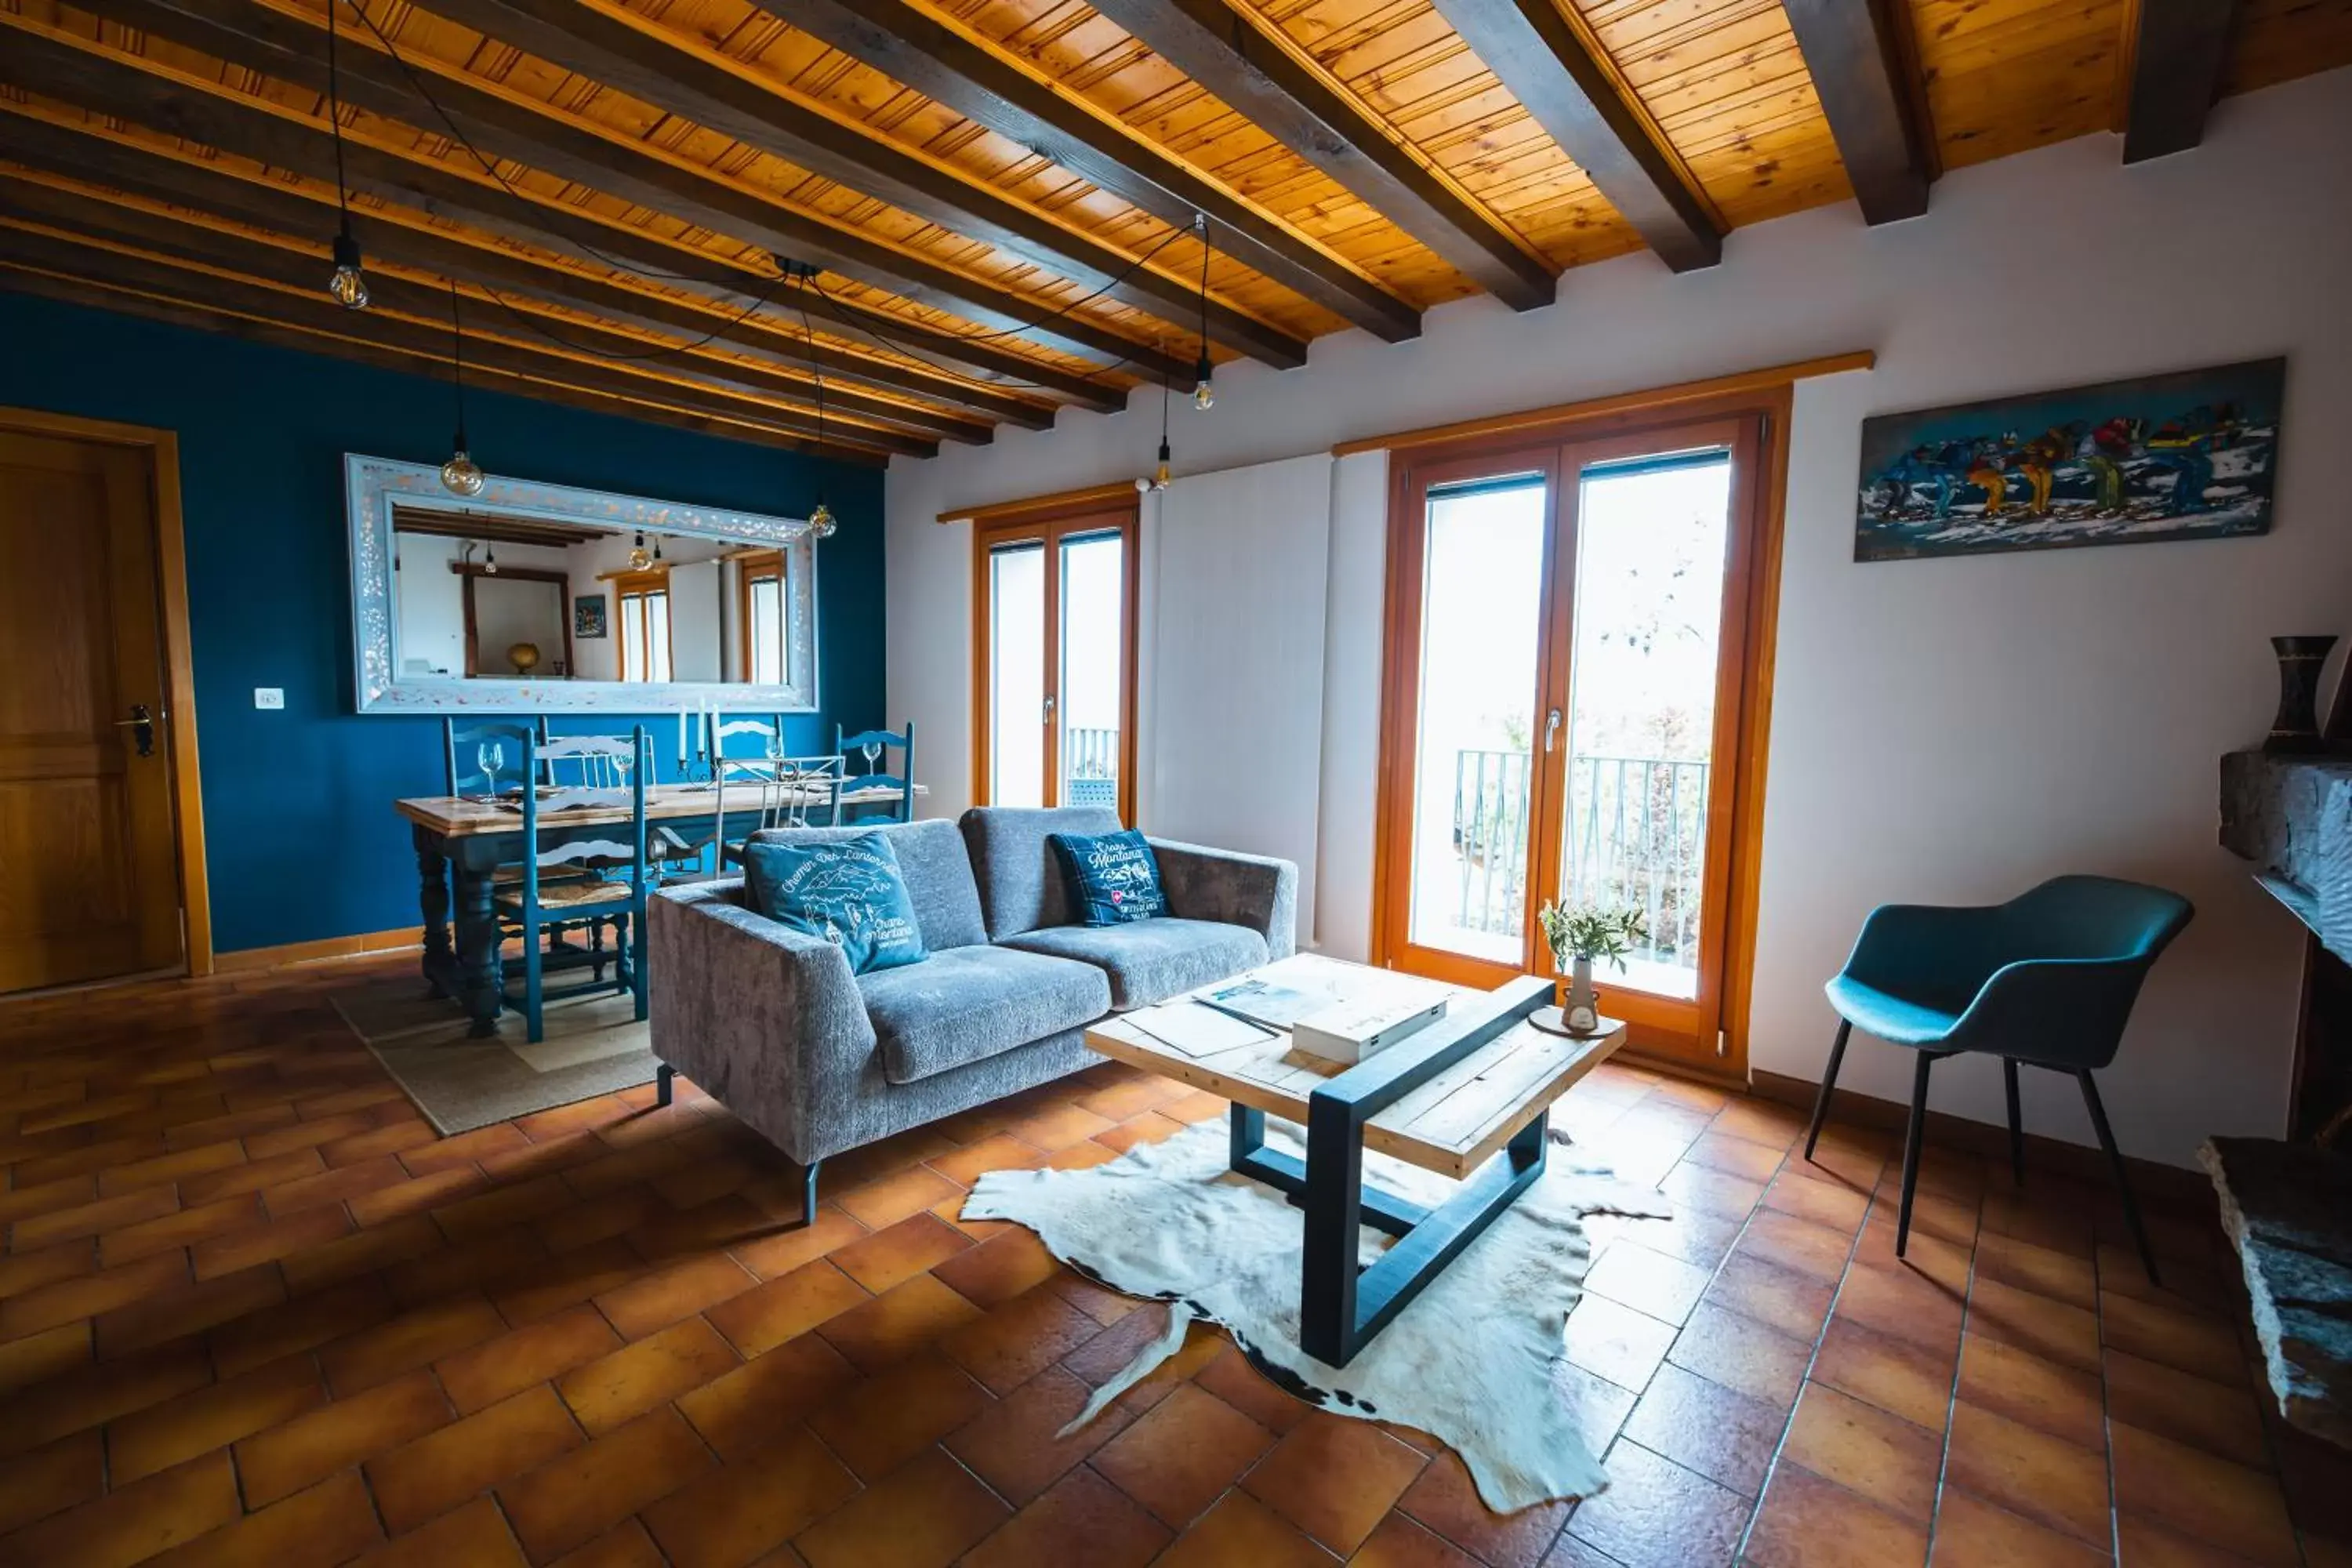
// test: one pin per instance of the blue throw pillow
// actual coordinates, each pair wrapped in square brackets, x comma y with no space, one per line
[1113,877]
[846,890]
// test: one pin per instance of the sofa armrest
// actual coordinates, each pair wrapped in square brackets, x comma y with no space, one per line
[1254,890]
[767,1020]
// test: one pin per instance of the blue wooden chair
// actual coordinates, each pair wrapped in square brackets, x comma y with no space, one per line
[873,748]
[2048,978]
[551,897]
[748,755]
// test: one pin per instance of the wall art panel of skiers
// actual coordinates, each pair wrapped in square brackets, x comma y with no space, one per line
[2186,456]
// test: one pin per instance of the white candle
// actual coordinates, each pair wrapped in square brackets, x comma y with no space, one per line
[681,738]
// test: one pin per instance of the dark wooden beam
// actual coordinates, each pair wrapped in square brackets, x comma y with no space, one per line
[2178,48]
[1859,58]
[300,218]
[1561,79]
[405,315]
[296,265]
[109,82]
[638,56]
[290,48]
[1231,57]
[925,51]
[77,287]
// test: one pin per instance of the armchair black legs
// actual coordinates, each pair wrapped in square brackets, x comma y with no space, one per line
[1915,1132]
[2115,1161]
[1829,1083]
[2016,1121]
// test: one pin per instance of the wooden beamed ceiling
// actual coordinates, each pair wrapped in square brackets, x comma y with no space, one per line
[992,208]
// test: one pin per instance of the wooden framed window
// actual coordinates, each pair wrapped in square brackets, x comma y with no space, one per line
[644,625]
[1576,688]
[759,614]
[1054,616]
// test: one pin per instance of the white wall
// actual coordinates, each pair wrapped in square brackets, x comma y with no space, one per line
[1942,731]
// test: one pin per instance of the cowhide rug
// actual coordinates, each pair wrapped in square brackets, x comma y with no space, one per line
[1470,1361]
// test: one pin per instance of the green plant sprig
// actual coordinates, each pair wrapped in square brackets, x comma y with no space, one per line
[1591,932]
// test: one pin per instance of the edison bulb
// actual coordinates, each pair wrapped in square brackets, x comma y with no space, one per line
[461,476]
[821,522]
[1204,395]
[639,558]
[349,285]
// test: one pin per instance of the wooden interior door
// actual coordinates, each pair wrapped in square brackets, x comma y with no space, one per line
[91,887]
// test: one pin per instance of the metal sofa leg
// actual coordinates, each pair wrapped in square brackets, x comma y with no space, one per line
[662,1075]
[1913,1136]
[2016,1121]
[1828,1082]
[2123,1181]
[808,1193]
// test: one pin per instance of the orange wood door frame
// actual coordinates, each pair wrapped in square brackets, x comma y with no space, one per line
[1049,527]
[161,450]
[1754,421]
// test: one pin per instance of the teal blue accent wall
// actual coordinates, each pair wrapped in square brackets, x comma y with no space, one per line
[299,826]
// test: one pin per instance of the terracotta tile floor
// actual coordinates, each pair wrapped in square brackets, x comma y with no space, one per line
[253,1311]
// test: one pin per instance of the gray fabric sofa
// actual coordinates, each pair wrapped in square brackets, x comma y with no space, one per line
[774,1025]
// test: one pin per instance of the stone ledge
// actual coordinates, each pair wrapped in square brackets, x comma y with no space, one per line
[2292,816]
[2287,1208]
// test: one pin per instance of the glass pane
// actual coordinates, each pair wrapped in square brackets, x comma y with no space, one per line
[632,637]
[657,635]
[1016,675]
[768,631]
[1481,598]
[1094,669]
[1651,560]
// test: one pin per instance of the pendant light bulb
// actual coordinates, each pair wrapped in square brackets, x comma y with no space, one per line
[821,520]
[1205,393]
[639,557]
[349,285]
[656,547]
[1160,474]
[461,476]
[489,559]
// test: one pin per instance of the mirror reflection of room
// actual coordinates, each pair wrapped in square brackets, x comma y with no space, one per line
[486,597]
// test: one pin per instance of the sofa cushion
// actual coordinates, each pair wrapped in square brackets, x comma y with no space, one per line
[847,891]
[1110,878]
[1021,884]
[1150,961]
[932,863]
[968,1004]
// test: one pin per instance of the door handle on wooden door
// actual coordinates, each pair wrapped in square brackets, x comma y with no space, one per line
[143,727]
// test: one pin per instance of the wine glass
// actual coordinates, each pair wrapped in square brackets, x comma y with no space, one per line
[873,750]
[492,756]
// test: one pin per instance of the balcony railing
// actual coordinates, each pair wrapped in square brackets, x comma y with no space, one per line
[1636,838]
[1089,767]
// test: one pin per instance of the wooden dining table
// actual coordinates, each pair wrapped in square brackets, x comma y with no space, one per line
[462,840]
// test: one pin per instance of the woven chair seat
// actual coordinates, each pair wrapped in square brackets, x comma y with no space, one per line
[580,893]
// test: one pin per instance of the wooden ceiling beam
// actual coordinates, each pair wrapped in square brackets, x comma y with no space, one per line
[404,315]
[113,172]
[2178,50]
[291,48]
[109,82]
[927,52]
[1560,76]
[77,287]
[1859,58]
[654,64]
[1231,57]
[297,264]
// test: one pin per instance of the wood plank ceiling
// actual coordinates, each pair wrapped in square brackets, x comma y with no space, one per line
[992,208]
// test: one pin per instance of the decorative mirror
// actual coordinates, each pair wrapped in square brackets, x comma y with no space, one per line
[542,598]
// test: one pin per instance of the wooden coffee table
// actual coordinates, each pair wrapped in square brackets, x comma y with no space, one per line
[1468,1096]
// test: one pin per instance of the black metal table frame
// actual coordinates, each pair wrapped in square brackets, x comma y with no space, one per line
[1342,1304]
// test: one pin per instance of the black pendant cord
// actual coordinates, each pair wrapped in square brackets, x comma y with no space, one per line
[1202,372]
[800,304]
[335,120]
[457,364]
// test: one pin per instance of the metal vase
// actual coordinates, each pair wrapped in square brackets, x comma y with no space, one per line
[2296,728]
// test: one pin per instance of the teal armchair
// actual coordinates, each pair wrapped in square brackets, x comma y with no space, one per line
[2047,979]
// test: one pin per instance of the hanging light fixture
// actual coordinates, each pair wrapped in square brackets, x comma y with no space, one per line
[820,518]
[639,556]
[348,284]
[1159,480]
[489,558]
[658,546]
[1205,394]
[460,475]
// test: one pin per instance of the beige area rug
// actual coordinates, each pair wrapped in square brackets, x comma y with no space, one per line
[594,1045]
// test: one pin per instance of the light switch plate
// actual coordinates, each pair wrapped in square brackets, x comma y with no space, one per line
[270,696]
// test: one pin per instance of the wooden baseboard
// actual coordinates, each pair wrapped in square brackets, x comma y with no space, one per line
[251,958]
[1947,1130]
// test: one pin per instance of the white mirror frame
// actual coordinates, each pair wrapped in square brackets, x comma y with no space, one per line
[372,484]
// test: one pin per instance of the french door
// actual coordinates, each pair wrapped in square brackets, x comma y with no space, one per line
[1571,676]
[1054,664]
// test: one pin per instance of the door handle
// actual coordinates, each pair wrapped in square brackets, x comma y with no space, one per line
[1551,728]
[143,727]
[1049,710]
